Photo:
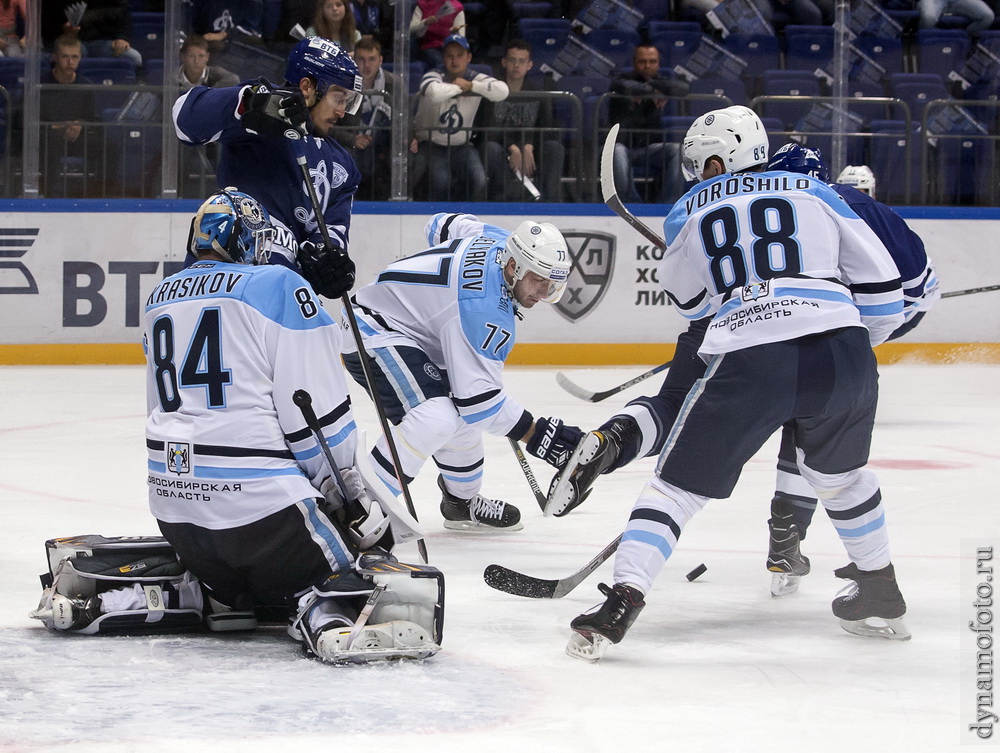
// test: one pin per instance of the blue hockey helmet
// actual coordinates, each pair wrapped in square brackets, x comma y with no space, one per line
[795,158]
[328,65]
[234,225]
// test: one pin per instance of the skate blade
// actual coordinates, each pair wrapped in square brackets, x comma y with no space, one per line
[562,493]
[370,656]
[588,648]
[783,584]
[876,627]
[468,526]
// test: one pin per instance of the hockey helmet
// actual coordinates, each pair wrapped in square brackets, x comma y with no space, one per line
[328,65]
[795,158]
[734,135]
[859,176]
[539,247]
[234,225]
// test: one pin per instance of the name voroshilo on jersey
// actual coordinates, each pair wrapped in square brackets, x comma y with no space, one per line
[226,347]
[773,256]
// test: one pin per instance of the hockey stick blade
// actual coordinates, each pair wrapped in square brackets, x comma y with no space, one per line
[512,582]
[596,397]
[610,193]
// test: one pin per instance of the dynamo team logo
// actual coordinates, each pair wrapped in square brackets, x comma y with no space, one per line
[593,258]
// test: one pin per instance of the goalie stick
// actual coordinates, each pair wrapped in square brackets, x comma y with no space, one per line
[528,473]
[610,193]
[596,397]
[512,582]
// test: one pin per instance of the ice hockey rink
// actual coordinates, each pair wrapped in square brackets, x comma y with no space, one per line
[712,665]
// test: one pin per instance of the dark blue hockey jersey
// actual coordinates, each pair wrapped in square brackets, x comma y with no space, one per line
[265,167]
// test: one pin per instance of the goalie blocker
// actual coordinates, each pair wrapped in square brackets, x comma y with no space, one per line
[135,585]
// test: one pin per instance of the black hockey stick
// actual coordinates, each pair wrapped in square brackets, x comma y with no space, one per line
[519,584]
[362,353]
[596,397]
[528,473]
[610,193]
[970,291]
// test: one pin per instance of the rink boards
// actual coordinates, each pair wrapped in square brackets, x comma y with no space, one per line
[74,276]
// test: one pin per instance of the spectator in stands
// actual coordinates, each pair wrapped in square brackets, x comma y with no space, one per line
[809,12]
[369,130]
[13,15]
[195,70]
[512,148]
[979,13]
[65,115]
[223,22]
[334,20]
[431,23]
[642,96]
[371,18]
[105,30]
[442,127]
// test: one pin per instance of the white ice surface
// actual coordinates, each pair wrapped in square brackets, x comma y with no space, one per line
[712,665]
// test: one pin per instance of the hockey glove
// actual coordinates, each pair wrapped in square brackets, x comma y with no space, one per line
[553,441]
[269,111]
[330,271]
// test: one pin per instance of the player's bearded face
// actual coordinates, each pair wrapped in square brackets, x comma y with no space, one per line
[331,108]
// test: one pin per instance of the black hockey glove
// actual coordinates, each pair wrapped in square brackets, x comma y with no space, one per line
[553,441]
[330,271]
[270,111]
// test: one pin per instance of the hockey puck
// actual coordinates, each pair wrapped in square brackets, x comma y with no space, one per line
[696,572]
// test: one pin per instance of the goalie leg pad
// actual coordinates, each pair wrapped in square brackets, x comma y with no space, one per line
[127,585]
[403,618]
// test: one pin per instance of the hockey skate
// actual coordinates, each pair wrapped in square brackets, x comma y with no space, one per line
[872,605]
[784,557]
[480,514]
[607,623]
[595,453]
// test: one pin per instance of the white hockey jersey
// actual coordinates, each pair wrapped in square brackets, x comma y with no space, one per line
[451,302]
[775,256]
[226,347]
[444,115]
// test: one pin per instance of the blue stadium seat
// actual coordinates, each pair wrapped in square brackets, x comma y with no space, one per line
[545,44]
[941,51]
[653,10]
[808,47]
[148,35]
[867,111]
[588,89]
[615,44]
[789,83]
[524,25]
[414,70]
[662,26]
[886,52]
[965,170]
[531,10]
[761,52]
[108,70]
[675,47]
[776,133]
[889,160]
[916,90]
[732,89]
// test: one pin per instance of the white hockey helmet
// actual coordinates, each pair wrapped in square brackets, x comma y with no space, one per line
[859,176]
[733,134]
[540,248]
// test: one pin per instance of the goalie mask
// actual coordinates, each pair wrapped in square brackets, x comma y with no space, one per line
[859,176]
[539,247]
[734,135]
[234,225]
[795,158]
[328,65]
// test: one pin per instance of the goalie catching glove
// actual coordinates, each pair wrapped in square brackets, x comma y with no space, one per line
[330,271]
[270,111]
[553,441]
